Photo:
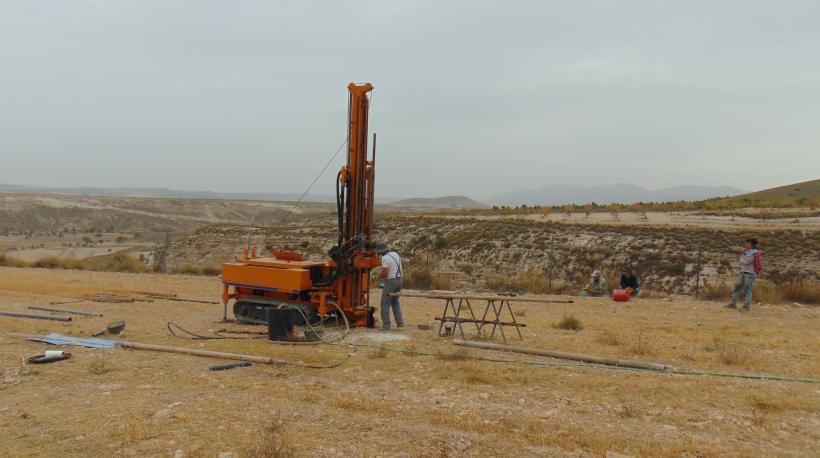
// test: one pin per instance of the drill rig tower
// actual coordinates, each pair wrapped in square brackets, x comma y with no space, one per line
[340,284]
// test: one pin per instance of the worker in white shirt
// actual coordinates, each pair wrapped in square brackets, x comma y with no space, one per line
[391,274]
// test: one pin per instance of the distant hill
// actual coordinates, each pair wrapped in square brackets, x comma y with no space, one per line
[161,193]
[438,202]
[606,194]
[804,190]
[165,193]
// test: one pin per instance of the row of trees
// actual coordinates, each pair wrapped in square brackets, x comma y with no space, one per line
[717,204]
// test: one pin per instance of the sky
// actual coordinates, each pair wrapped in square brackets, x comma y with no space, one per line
[471,97]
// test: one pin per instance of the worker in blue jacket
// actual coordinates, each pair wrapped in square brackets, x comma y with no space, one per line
[629,281]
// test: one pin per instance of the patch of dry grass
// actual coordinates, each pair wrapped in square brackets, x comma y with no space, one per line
[273,441]
[610,338]
[459,354]
[641,346]
[529,282]
[804,292]
[99,365]
[421,278]
[730,352]
[569,323]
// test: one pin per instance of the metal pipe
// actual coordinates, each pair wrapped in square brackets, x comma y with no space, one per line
[36,317]
[73,312]
[206,353]
[564,355]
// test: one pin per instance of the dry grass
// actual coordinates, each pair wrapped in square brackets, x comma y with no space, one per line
[272,441]
[449,404]
[731,353]
[99,365]
[569,323]
[119,262]
[421,278]
[610,338]
[800,291]
[196,269]
[9,261]
[641,346]
[378,353]
[529,282]
[458,354]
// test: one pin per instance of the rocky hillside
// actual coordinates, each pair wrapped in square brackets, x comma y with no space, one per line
[477,253]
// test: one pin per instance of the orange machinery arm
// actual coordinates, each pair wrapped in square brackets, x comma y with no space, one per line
[355,255]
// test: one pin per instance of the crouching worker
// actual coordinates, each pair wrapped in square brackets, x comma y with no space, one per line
[629,282]
[392,275]
[596,287]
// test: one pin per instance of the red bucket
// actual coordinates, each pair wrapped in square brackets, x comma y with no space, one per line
[620,295]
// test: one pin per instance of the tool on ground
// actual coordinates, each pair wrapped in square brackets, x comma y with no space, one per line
[228,366]
[564,355]
[115,328]
[94,342]
[49,357]
[72,312]
[60,339]
[36,316]
[320,289]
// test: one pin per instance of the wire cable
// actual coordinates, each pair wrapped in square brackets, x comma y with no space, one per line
[760,377]
[315,180]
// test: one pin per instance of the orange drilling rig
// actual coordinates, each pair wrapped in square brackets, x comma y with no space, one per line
[340,285]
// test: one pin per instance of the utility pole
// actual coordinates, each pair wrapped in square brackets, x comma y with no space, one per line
[551,258]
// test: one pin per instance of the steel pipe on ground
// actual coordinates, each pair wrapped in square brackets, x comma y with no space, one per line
[36,316]
[564,355]
[206,353]
[73,312]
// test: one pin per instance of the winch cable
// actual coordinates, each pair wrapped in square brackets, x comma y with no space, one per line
[319,175]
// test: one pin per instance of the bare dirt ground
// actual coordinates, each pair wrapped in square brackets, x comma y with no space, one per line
[392,403]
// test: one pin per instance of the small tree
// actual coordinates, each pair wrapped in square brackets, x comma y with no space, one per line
[567,210]
[587,210]
[545,211]
[615,209]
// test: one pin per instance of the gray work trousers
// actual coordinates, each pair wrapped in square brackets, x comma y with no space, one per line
[391,285]
[744,285]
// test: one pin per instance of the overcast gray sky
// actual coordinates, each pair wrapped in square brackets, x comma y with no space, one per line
[472,97]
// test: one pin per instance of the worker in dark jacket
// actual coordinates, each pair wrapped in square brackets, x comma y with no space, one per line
[629,281]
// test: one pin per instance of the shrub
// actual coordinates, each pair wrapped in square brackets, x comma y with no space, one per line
[570,323]
[440,243]
[272,442]
[420,278]
[530,282]
[9,261]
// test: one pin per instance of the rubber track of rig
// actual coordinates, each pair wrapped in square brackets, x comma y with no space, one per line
[264,303]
